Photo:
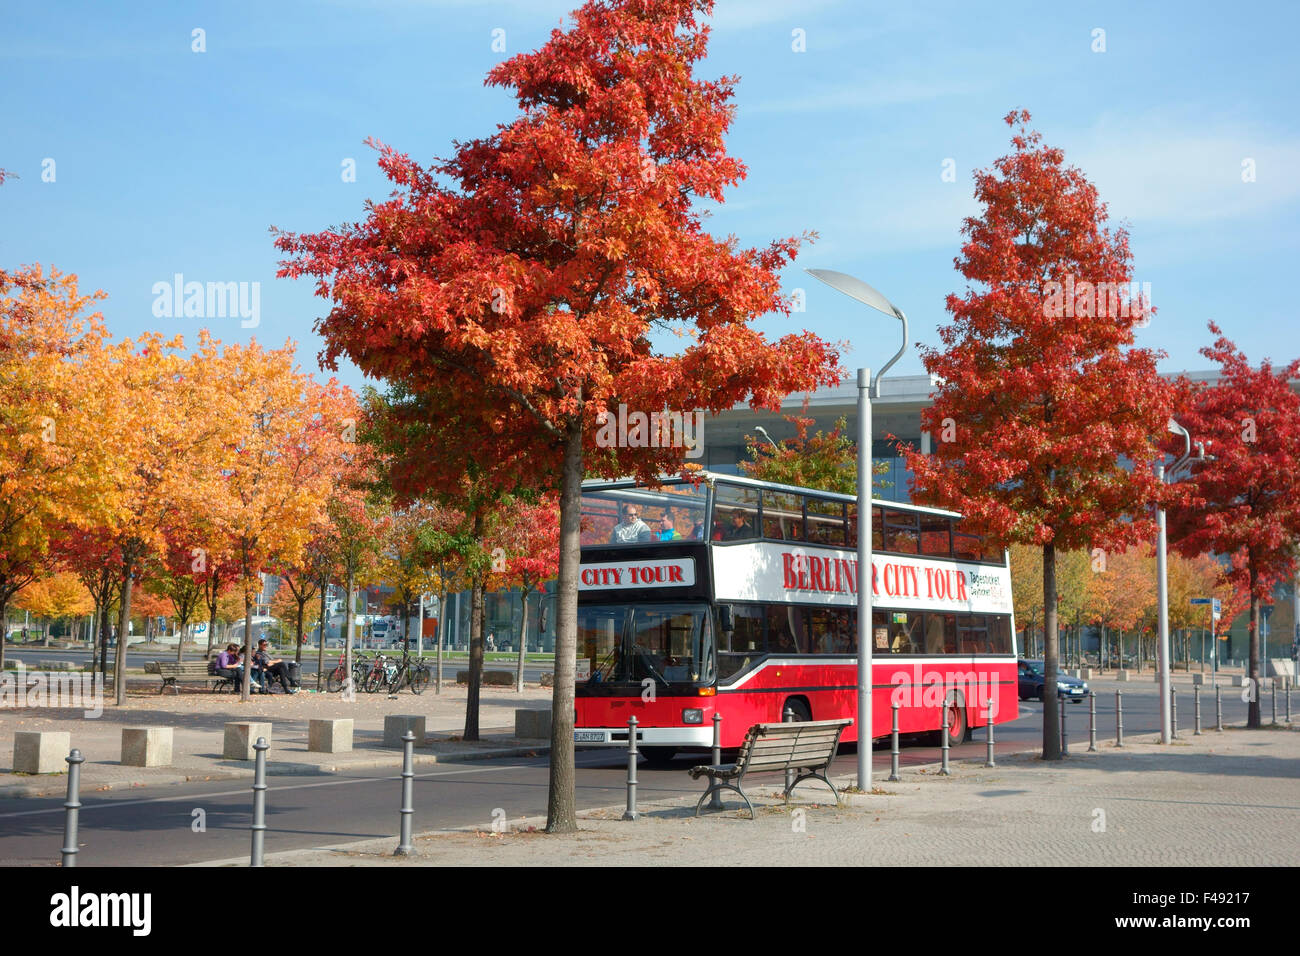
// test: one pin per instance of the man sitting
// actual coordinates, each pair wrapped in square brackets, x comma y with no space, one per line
[268,670]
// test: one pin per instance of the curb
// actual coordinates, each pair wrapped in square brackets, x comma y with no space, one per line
[55,785]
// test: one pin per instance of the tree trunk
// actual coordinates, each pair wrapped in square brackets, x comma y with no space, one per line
[1252,716]
[349,692]
[476,616]
[320,650]
[442,635]
[248,645]
[561,808]
[123,618]
[476,638]
[523,641]
[103,641]
[4,630]
[297,649]
[1051,654]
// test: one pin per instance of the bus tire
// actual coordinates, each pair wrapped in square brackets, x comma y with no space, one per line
[799,706]
[658,756]
[959,729]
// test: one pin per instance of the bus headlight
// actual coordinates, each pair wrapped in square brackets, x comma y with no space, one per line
[692,715]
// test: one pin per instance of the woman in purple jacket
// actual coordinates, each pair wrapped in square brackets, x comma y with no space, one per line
[228,666]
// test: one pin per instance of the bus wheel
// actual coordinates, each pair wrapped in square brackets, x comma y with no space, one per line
[658,756]
[957,729]
[799,707]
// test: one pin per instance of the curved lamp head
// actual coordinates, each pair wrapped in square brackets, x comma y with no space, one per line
[857,289]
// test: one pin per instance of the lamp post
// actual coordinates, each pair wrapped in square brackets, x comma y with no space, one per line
[763,431]
[1162,582]
[868,389]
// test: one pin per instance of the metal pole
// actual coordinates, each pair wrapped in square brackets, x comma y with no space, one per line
[893,745]
[1119,719]
[988,744]
[1092,721]
[1273,684]
[943,735]
[1288,702]
[1065,738]
[72,805]
[864,579]
[1173,714]
[715,801]
[404,846]
[1162,583]
[259,801]
[1218,709]
[788,718]
[1196,709]
[630,813]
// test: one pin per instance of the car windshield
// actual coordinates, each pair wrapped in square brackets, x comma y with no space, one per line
[641,515]
[670,644]
[1035,667]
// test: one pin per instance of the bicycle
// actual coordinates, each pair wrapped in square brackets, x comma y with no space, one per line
[335,678]
[396,674]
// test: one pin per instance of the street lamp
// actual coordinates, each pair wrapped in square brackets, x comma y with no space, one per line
[1166,716]
[868,388]
[763,431]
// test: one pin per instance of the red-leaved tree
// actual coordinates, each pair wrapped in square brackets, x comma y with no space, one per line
[1041,390]
[529,275]
[1246,496]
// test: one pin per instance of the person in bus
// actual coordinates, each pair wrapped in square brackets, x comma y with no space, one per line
[666,530]
[739,528]
[631,530]
[691,531]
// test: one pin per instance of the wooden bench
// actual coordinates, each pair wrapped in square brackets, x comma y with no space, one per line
[807,747]
[174,673]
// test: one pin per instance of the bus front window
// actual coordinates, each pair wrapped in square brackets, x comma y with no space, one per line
[670,644]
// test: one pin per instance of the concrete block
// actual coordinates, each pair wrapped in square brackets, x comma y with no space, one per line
[1122,674]
[330,736]
[146,746]
[1240,680]
[533,723]
[396,725]
[1205,680]
[240,737]
[1085,673]
[41,751]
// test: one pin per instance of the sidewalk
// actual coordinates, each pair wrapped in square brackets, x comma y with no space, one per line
[199,718]
[1217,800]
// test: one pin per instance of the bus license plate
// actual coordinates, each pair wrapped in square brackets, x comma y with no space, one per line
[586,736]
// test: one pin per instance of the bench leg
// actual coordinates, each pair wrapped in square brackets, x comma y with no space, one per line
[811,776]
[725,786]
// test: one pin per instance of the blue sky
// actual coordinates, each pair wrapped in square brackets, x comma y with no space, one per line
[170,161]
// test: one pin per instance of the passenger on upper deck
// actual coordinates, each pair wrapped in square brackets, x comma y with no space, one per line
[691,531]
[739,528]
[666,530]
[631,529]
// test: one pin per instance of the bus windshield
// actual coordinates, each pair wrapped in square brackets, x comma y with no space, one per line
[643,516]
[670,644]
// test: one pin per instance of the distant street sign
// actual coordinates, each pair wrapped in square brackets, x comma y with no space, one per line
[1203,601]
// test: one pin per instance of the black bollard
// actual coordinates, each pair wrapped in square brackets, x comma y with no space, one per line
[407,811]
[259,801]
[630,813]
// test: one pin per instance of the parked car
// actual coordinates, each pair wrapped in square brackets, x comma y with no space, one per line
[1030,680]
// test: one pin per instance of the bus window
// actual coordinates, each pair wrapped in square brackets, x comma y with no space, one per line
[787,631]
[735,513]
[877,528]
[973,634]
[782,516]
[999,634]
[935,537]
[831,631]
[940,633]
[743,644]
[901,535]
[968,547]
[826,522]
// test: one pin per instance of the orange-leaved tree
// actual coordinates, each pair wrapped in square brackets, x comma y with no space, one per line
[528,278]
[1041,400]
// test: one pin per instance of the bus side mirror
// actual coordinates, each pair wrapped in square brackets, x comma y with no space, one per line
[725,620]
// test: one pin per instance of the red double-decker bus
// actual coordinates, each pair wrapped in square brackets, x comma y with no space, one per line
[721,594]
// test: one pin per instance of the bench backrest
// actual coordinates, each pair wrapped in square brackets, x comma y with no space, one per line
[183,669]
[799,744]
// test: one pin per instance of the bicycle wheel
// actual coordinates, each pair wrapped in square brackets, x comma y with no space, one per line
[334,680]
[420,680]
[372,680]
